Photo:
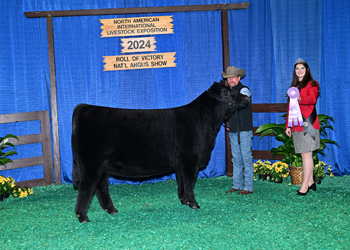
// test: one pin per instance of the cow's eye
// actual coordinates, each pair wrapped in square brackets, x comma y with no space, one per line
[225,91]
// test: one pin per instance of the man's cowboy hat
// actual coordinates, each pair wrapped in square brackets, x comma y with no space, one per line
[232,72]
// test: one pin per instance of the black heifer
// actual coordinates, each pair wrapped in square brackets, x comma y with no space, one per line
[143,143]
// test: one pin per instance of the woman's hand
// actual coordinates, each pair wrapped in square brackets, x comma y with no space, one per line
[289,132]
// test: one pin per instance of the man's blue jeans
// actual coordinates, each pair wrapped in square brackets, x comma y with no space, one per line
[242,160]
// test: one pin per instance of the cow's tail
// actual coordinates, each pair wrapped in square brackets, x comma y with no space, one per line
[76,169]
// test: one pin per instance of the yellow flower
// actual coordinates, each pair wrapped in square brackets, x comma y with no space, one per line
[331,175]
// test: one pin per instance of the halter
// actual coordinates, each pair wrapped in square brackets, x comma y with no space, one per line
[229,103]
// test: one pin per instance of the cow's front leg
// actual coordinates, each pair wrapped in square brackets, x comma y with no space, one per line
[103,194]
[189,175]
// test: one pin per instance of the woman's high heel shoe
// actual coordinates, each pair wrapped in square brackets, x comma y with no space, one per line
[313,187]
[302,194]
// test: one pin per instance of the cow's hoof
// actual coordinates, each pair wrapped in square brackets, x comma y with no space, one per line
[194,206]
[83,219]
[112,210]
[185,202]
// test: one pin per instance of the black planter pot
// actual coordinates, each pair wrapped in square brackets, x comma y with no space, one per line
[263,176]
[2,197]
[280,181]
[317,180]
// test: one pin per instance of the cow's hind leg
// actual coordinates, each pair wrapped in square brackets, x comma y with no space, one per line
[180,186]
[85,193]
[87,185]
[103,195]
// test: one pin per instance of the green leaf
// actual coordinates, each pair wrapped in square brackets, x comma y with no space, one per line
[264,127]
[8,136]
[266,132]
[4,161]
[10,153]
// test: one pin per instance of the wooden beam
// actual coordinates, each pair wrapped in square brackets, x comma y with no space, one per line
[226,63]
[33,183]
[24,162]
[16,117]
[26,139]
[140,10]
[265,155]
[47,151]
[225,40]
[53,94]
[270,107]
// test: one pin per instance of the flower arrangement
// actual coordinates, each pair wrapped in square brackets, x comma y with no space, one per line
[19,192]
[320,171]
[7,187]
[279,171]
[262,167]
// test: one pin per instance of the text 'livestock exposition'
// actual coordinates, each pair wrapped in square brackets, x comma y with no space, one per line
[137,26]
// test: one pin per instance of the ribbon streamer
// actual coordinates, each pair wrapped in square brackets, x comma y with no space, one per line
[294,109]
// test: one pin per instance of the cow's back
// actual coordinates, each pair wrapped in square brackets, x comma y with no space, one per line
[140,143]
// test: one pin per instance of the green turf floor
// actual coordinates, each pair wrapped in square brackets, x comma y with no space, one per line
[151,217]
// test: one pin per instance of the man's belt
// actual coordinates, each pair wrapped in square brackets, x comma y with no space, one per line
[308,127]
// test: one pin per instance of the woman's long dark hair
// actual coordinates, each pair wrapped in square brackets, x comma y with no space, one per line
[306,79]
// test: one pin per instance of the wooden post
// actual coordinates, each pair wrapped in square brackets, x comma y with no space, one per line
[226,63]
[53,92]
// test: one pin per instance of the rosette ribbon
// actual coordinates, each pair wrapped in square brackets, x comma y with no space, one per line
[294,109]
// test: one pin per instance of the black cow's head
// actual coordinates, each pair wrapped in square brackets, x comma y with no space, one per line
[229,97]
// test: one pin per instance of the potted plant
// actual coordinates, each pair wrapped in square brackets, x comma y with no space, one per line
[279,171]
[287,147]
[4,143]
[262,169]
[7,187]
[320,171]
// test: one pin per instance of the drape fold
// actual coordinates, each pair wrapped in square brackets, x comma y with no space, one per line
[265,40]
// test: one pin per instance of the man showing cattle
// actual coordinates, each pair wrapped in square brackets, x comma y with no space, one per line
[241,135]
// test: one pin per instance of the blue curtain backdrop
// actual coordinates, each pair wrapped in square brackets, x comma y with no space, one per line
[265,40]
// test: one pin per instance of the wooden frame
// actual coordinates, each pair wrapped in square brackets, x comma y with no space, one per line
[257,154]
[267,108]
[139,10]
[44,138]
[122,11]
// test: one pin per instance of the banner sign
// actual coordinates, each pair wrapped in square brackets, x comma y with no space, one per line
[139,61]
[137,26]
[140,44]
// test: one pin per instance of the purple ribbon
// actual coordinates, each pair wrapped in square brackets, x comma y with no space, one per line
[294,109]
